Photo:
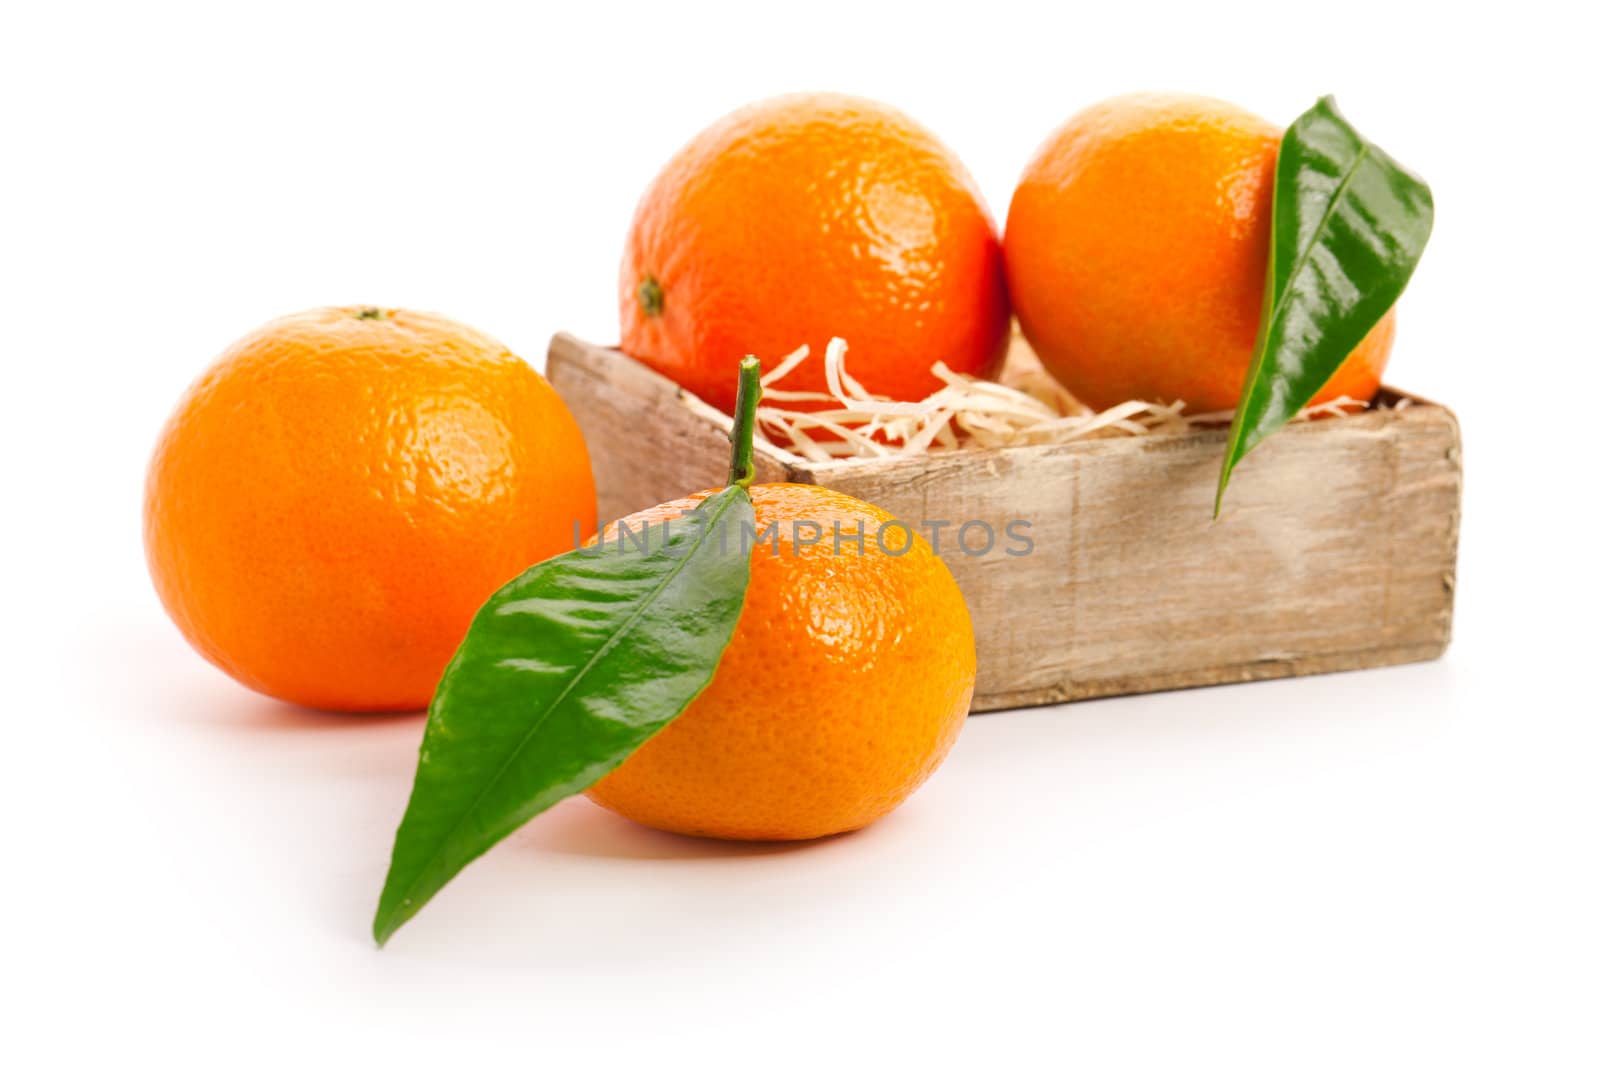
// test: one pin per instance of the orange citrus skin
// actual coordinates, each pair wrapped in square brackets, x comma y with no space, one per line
[845,684]
[806,217]
[336,496]
[1136,252]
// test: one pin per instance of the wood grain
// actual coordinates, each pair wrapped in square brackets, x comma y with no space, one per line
[1335,550]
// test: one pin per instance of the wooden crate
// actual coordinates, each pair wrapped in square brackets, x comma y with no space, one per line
[1336,548]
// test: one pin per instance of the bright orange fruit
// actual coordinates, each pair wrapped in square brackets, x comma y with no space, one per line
[846,682]
[1136,252]
[806,217]
[334,499]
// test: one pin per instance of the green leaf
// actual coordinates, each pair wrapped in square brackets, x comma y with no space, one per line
[565,672]
[1348,226]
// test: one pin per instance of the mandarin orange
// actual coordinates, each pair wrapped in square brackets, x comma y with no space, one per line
[806,217]
[846,681]
[336,496]
[1136,254]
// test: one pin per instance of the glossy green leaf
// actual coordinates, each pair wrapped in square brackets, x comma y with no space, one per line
[565,672]
[1348,226]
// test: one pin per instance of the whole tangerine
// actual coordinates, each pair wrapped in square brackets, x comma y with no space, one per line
[846,681]
[1136,253]
[802,218]
[336,496]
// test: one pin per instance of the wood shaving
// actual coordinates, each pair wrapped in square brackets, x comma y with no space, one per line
[1026,407]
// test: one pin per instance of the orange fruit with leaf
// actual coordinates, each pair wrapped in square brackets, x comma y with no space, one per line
[805,217]
[774,662]
[1136,252]
[334,498]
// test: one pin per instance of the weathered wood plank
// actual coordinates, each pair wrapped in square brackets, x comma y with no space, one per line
[1336,548]
[649,441]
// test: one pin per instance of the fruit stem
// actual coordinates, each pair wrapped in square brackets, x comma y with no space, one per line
[651,298]
[742,471]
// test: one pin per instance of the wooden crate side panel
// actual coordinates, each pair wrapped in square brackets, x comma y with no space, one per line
[1335,550]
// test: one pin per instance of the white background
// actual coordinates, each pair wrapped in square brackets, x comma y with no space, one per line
[1394,866]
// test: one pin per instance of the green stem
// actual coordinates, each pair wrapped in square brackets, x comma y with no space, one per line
[742,471]
[651,297]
